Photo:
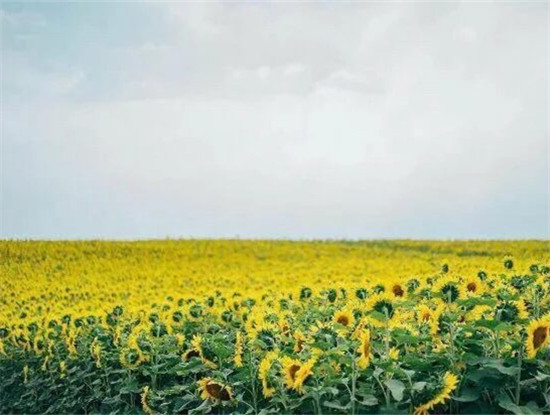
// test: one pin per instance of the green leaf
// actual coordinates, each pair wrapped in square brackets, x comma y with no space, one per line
[498,365]
[541,376]
[419,386]
[396,388]
[467,395]
[378,316]
[505,402]
[369,400]
[337,405]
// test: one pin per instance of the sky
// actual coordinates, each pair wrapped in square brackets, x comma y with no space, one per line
[274,120]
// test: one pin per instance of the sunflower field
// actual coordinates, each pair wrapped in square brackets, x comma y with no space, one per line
[259,327]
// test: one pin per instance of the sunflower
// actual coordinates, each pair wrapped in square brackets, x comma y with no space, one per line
[511,311]
[264,331]
[95,352]
[430,317]
[473,286]
[238,359]
[290,368]
[449,290]
[215,391]
[303,373]
[132,356]
[180,339]
[344,318]
[144,405]
[424,314]
[263,373]
[450,382]
[364,349]
[538,336]
[393,353]
[382,303]
[196,350]
[398,289]
[300,341]
[479,312]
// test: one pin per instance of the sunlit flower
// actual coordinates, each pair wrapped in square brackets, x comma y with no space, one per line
[538,336]
[364,349]
[449,384]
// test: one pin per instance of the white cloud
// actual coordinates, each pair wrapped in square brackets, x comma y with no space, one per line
[291,120]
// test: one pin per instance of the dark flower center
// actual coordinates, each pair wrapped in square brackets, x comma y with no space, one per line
[292,371]
[539,336]
[398,291]
[366,349]
[191,353]
[343,320]
[217,391]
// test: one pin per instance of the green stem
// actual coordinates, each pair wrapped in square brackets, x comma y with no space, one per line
[518,377]
[386,396]
[353,383]
[253,380]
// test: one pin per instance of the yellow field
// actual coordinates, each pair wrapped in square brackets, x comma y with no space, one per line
[231,325]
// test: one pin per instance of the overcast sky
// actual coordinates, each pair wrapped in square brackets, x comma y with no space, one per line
[327,120]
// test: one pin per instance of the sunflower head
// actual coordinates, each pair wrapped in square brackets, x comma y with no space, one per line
[383,304]
[305,293]
[538,336]
[508,263]
[447,386]
[510,311]
[397,290]
[448,289]
[364,349]
[290,368]
[344,318]
[331,295]
[214,391]
[303,373]
[361,293]
[424,314]
[265,375]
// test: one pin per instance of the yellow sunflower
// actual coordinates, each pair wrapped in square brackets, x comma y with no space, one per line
[305,371]
[364,350]
[290,368]
[450,382]
[472,286]
[215,391]
[426,315]
[144,405]
[196,351]
[263,373]
[344,318]
[538,336]
[300,340]
[238,359]
[132,356]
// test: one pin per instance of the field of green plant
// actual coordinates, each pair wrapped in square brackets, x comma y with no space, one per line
[259,327]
